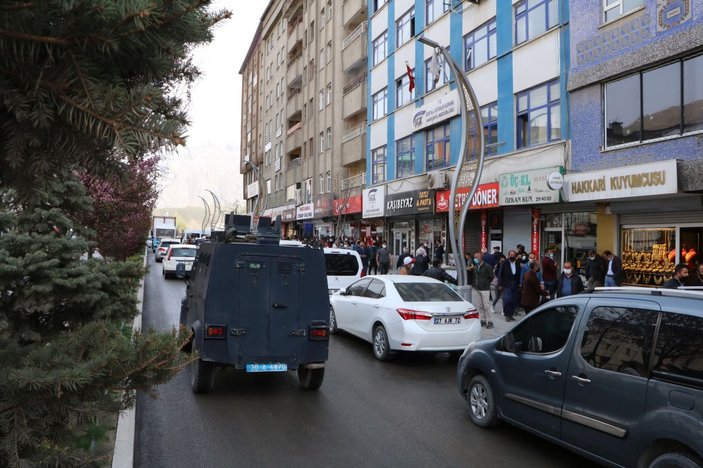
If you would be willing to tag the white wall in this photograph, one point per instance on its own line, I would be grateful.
(475, 15)
(536, 62)
(484, 80)
(379, 133)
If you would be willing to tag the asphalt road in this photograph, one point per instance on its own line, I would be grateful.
(404, 413)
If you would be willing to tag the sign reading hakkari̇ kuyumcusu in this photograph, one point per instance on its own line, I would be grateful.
(528, 187)
(656, 178)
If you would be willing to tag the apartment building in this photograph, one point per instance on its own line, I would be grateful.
(636, 87)
(516, 56)
(311, 101)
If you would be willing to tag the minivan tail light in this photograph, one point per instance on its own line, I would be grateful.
(409, 314)
(471, 314)
(216, 332)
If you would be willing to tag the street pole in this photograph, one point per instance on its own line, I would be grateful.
(258, 195)
(468, 103)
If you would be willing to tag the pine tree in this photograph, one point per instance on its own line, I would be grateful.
(88, 90)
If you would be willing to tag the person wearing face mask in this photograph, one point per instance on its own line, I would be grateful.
(483, 276)
(569, 283)
(549, 273)
(508, 280)
(383, 257)
(596, 270)
(532, 292)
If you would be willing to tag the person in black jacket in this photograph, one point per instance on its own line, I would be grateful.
(508, 280)
(402, 256)
(437, 272)
(569, 283)
(596, 270)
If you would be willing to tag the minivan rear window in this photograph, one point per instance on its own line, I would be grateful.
(426, 292)
(341, 264)
(679, 350)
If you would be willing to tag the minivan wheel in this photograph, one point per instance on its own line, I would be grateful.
(675, 460)
(333, 322)
(482, 407)
(381, 347)
(202, 376)
(310, 379)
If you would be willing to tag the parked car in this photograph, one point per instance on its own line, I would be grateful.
(408, 313)
(179, 254)
(162, 249)
(615, 375)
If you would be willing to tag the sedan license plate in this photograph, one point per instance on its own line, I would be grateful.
(453, 319)
(271, 367)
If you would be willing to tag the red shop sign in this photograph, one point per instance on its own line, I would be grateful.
(535, 232)
(484, 230)
(347, 205)
(486, 196)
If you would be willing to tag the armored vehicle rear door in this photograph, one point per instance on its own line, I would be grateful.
(268, 307)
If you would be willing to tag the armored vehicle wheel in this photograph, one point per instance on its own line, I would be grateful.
(482, 406)
(311, 379)
(381, 347)
(202, 376)
(333, 322)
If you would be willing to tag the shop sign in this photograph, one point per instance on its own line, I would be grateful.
(486, 197)
(374, 202)
(534, 241)
(306, 211)
(253, 189)
(436, 110)
(323, 206)
(484, 230)
(409, 203)
(528, 187)
(348, 205)
(288, 215)
(622, 182)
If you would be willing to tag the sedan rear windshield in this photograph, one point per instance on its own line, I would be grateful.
(426, 292)
(341, 264)
(183, 253)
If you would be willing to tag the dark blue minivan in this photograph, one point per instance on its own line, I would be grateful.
(615, 375)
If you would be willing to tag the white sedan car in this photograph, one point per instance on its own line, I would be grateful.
(179, 253)
(405, 313)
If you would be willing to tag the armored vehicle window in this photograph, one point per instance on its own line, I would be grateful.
(341, 265)
(426, 292)
(679, 350)
(547, 331)
(619, 339)
(376, 290)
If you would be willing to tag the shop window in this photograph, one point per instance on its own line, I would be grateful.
(405, 157)
(656, 103)
(613, 9)
(533, 18)
(405, 27)
(539, 115)
(480, 45)
(437, 147)
(403, 95)
(619, 339)
(678, 356)
(378, 165)
(648, 255)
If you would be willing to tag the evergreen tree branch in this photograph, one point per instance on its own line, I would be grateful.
(18, 6)
(33, 37)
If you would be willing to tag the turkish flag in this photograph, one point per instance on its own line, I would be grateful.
(411, 78)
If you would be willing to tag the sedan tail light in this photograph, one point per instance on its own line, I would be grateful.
(471, 314)
(409, 314)
(169, 255)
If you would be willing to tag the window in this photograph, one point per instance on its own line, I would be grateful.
(322, 184)
(431, 80)
(405, 27)
(329, 10)
(312, 30)
(678, 355)
(402, 91)
(356, 289)
(268, 186)
(378, 165)
(437, 147)
(322, 99)
(480, 45)
(613, 9)
(380, 48)
(380, 104)
(329, 181)
(651, 104)
(322, 141)
(538, 115)
(329, 137)
(435, 8)
(376, 290)
(278, 90)
(426, 292)
(534, 17)
(619, 339)
(405, 157)
(329, 52)
(545, 332)
(378, 4)
(311, 106)
(329, 93)
(322, 59)
(489, 116)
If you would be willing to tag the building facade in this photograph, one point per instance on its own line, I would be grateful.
(637, 114)
(516, 56)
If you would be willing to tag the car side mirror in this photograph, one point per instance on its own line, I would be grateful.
(343, 292)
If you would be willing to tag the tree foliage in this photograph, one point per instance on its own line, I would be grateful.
(89, 89)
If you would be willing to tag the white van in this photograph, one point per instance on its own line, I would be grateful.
(343, 266)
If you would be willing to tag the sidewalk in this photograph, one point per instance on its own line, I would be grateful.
(500, 326)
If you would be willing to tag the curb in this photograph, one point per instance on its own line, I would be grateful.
(123, 454)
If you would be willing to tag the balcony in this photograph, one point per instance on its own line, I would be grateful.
(294, 74)
(353, 12)
(293, 9)
(295, 40)
(353, 182)
(354, 100)
(354, 145)
(294, 107)
(294, 139)
(276, 199)
(354, 50)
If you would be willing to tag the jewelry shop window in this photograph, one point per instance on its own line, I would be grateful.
(648, 255)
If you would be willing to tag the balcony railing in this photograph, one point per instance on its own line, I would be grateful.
(350, 135)
(355, 83)
(355, 34)
(352, 182)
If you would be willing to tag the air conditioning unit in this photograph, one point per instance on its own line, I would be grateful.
(436, 180)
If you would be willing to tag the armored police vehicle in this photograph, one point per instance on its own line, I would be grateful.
(257, 306)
